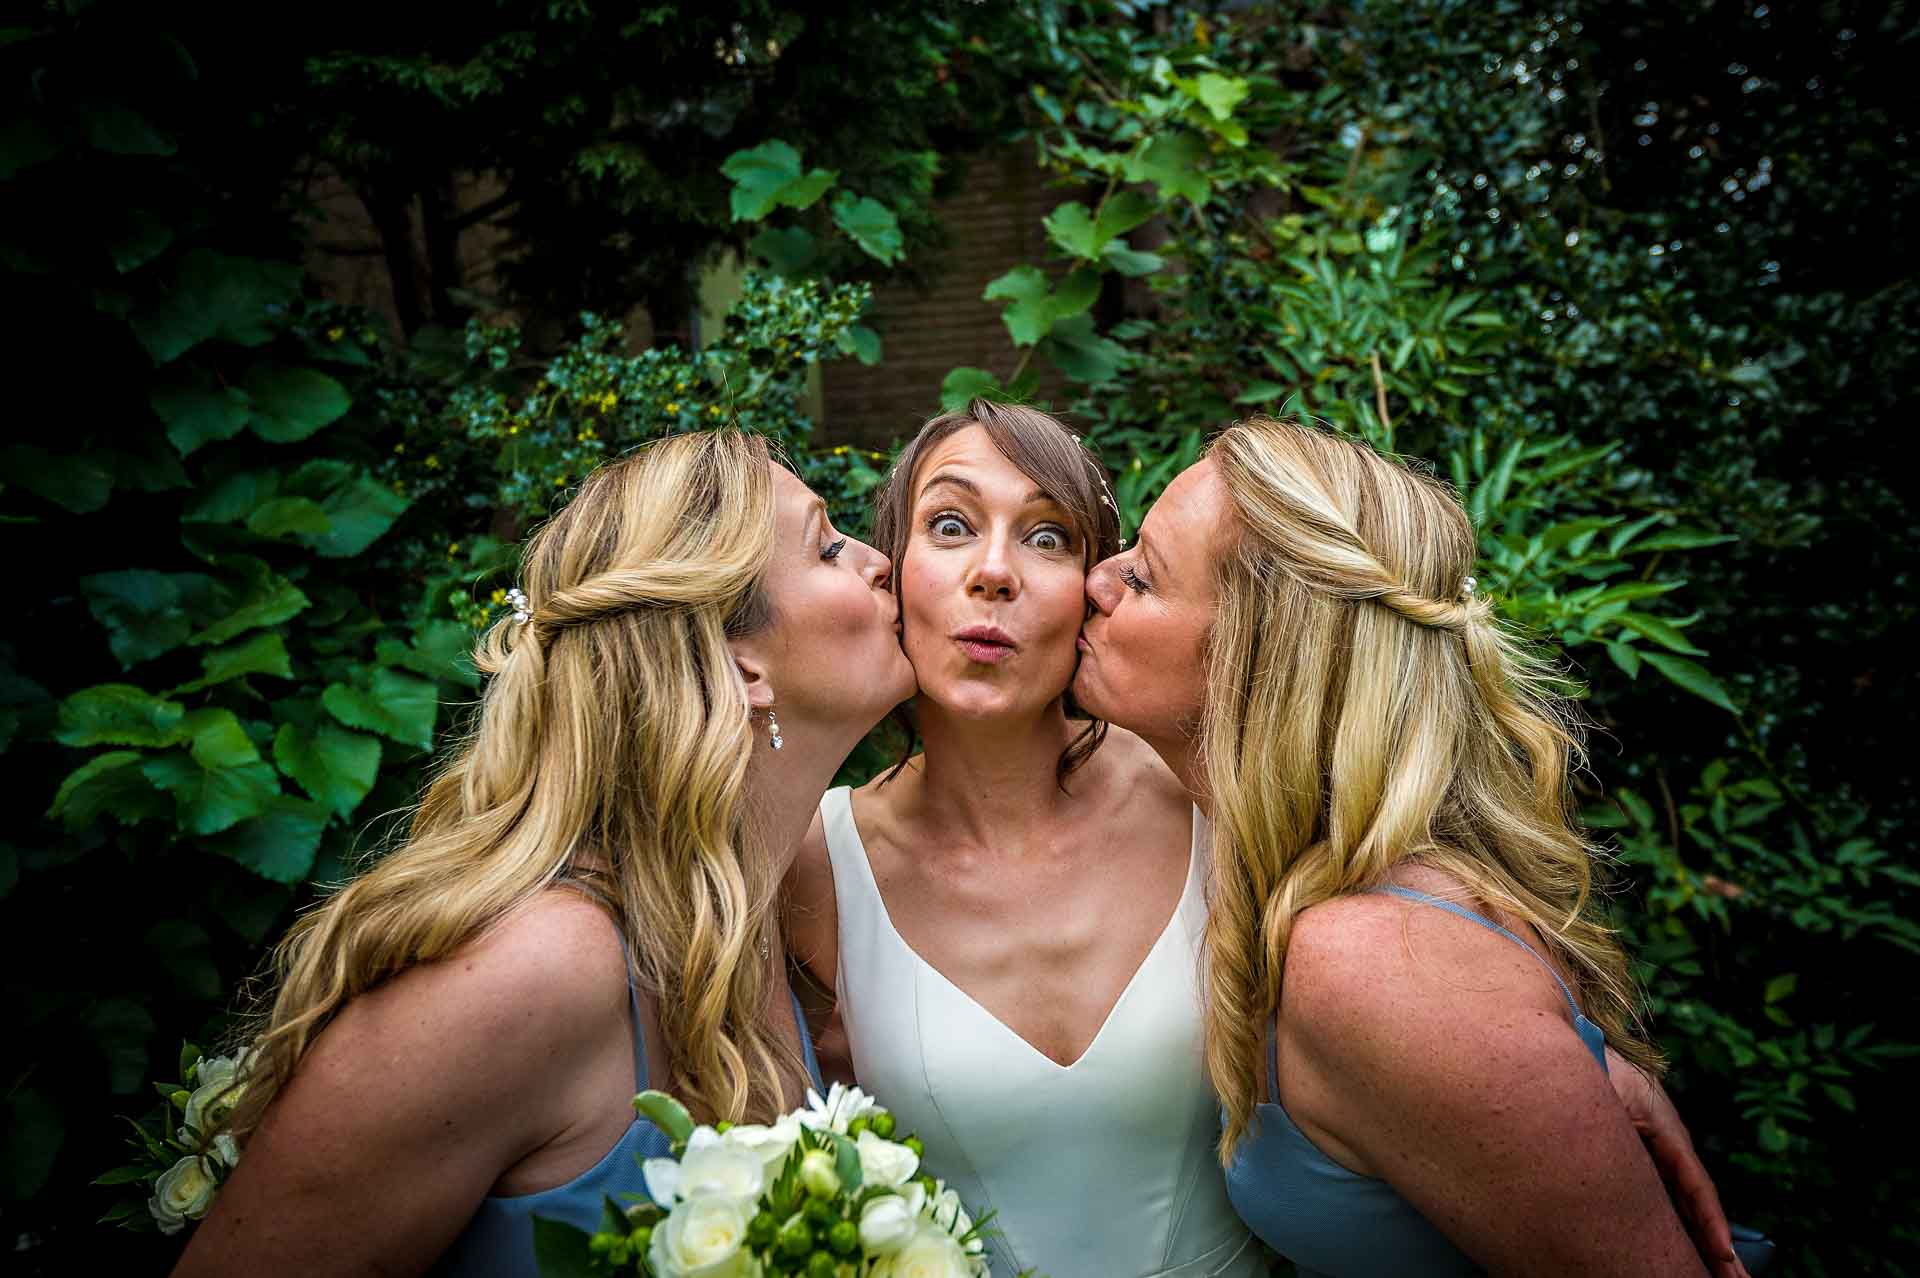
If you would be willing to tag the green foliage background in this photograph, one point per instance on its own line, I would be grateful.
(1638, 278)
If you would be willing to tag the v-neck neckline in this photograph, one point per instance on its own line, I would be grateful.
(1153, 952)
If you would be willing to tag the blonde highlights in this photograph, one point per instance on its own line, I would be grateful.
(1364, 710)
(610, 746)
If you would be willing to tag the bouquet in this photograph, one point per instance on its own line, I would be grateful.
(823, 1192)
(184, 1164)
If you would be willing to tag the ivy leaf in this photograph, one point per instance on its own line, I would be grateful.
(236, 299)
(75, 483)
(279, 843)
(803, 192)
(217, 740)
(1173, 162)
(119, 714)
(399, 707)
(759, 175)
(144, 613)
(268, 600)
(110, 784)
(965, 384)
(359, 508)
(1691, 676)
(789, 251)
(289, 515)
(335, 766)
(290, 404)
(209, 802)
(871, 224)
(1071, 227)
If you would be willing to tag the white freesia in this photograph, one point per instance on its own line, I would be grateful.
(930, 1253)
(705, 1238)
(887, 1224)
(945, 1209)
(227, 1150)
(771, 1144)
(183, 1192)
(885, 1162)
(838, 1109)
(709, 1168)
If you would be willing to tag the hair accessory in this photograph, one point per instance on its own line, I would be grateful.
(773, 726)
(1468, 586)
(518, 599)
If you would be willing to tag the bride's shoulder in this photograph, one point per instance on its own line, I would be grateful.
(1131, 763)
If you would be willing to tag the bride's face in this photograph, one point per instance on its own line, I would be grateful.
(1143, 650)
(992, 589)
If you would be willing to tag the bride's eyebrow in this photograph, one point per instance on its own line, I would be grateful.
(947, 479)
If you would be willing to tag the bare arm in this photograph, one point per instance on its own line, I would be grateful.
(1460, 1081)
(416, 1098)
(813, 950)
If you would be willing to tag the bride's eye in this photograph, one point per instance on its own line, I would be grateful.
(1050, 539)
(947, 524)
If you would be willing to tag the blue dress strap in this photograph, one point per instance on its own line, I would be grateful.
(1592, 1035)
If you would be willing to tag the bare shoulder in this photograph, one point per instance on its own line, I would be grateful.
(1387, 968)
(1134, 765)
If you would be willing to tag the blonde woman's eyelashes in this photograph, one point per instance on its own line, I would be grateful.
(833, 550)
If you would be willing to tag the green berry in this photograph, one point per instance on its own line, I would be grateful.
(641, 1238)
(795, 1241)
(844, 1237)
(821, 1265)
(854, 1128)
(916, 1145)
(761, 1230)
(819, 1213)
(883, 1125)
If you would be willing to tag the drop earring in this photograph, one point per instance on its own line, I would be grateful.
(773, 726)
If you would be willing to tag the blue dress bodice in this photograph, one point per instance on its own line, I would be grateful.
(1336, 1223)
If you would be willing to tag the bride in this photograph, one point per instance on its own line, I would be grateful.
(1011, 919)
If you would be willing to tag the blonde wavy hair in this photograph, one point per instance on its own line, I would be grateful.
(610, 746)
(1363, 710)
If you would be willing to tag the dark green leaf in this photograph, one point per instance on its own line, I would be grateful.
(142, 236)
(236, 299)
(290, 404)
(1083, 354)
(759, 175)
(144, 613)
(264, 600)
(871, 224)
(790, 250)
(279, 843)
(287, 515)
(197, 413)
(209, 802)
(802, 192)
(560, 1250)
(1131, 261)
(1174, 163)
(110, 784)
(29, 1143)
(121, 1029)
(75, 483)
(440, 650)
(666, 1113)
(1692, 677)
(119, 714)
(861, 342)
(120, 130)
(335, 766)
(264, 653)
(398, 706)
(965, 384)
(218, 740)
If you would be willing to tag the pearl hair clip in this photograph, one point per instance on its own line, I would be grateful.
(517, 598)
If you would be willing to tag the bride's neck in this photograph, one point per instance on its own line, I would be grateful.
(980, 775)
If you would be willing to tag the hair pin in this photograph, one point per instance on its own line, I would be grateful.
(517, 599)
(1468, 586)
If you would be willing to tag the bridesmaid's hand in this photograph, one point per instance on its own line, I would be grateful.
(1671, 1148)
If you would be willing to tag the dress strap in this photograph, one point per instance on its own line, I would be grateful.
(1590, 1034)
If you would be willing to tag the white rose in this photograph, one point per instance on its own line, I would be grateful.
(219, 1083)
(770, 1144)
(183, 1192)
(704, 1238)
(888, 1224)
(885, 1162)
(710, 1167)
(227, 1150)
(930, 1253)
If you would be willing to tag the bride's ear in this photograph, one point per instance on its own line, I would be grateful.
(753, 673)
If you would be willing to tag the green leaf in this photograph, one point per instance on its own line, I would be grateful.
(209, 802)
(1131, 262)
(267, 600)
(790, 250)
(871, 224)
(218, 740)
(965, 384)
(75, 483)
(439, 650)
(289, 515)
(144, 613)
(264, 653)
(119, 714)
(562, 1250)
(279, 843)
(1218, 93)
(1684, 539)
(1031, 314)
(110, 784)
(399, 707)
(122, 1176)
(861, 342)
(1071, 227)
(359, 508)
(1692, 677)
(234, 299)
(29, 1143)
(1661, 632)
(759, 175)
(1781, 987)
(1262, 393)
(139, 239)
(1626, 656)
(1174, 163)
(290, 404)
(846, 1162)
(802, 192)
(1123, 211)
(666, 1113)
(1083, 354)
(120, 130)
(335, 766)
(231, 498)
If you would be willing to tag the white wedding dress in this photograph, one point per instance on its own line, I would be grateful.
(1100, 1169)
